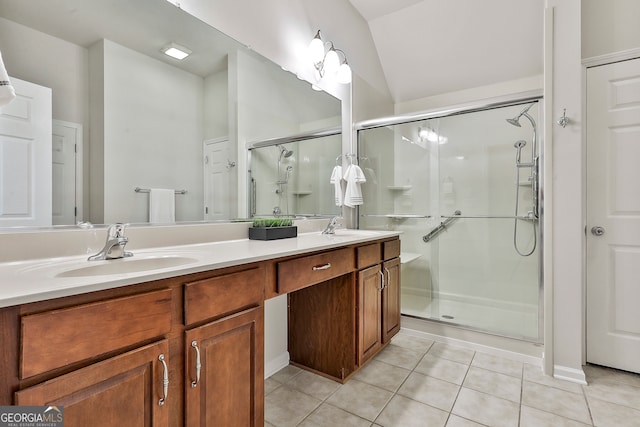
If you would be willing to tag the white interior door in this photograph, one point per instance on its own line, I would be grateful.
(67, 190)
(613, 215)
(216, 179)
(25, 157)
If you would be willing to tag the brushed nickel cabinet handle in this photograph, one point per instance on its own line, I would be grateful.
(382, 284)
(388, 277)
(194, 384)
(322, 267)
(165, 381)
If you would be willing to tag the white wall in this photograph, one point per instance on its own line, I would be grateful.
(153, 132)
(282, 29)
(216, 105)
(566, 204)
(609, 26)
(54, 63)
(48, 61)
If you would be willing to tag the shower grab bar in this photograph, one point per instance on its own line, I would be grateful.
(442, 227)
(490, 217)
(398, 216)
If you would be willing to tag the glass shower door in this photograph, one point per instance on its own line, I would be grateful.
(454, 180)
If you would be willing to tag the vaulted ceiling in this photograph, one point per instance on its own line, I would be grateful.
(430, 47)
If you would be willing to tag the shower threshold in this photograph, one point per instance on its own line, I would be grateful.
(516, 324)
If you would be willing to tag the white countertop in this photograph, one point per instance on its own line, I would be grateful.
(37, 280)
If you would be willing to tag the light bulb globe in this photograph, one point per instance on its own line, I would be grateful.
(331, 61)
(316, 50)
(344, 74)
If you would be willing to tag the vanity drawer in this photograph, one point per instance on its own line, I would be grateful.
(391, 249)
(225, 294)
(58, 338)
(368, 255)
(306, 271)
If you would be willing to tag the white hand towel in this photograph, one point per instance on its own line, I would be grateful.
(162, 208)
(353, 194)
(7, 92)
(336, 180)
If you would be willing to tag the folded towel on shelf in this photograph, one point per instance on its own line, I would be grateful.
(336, 180)
(162, 208)
(353, 194)
(7, 92)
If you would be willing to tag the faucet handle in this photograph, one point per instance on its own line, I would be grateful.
(116, 231)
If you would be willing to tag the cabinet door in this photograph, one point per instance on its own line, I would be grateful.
(391, 299)
(225, 371)
(369, 312)
(124, 390)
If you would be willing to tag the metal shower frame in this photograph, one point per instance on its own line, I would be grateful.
(498, 102)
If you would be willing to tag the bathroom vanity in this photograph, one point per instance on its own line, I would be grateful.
(185, 345)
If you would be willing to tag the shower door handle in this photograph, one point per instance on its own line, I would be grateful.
(597, 230)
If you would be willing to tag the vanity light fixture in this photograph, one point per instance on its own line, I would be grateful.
(328, 62)
(176, 51)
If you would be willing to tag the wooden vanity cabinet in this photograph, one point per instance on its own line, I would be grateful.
(337, 325)
(189, 350)
(378, 296)
(391, 299)
(124, 356)
(119, 391)
(224, 358)
(369, 313)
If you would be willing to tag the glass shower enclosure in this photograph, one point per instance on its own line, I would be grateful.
(463, 187)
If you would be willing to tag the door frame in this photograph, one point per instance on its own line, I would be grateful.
(587, 63)
(79, 165)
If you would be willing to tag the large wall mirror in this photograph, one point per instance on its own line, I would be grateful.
(141, 119)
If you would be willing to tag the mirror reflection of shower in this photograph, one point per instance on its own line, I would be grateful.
(283, 181)
(531, 215)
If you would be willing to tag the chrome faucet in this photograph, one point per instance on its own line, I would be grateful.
(331, 227)
(114, 246)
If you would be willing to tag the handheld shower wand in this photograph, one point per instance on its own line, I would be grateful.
(519, 145)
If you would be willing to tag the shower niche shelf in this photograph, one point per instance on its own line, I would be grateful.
(399, 187)
(301, 193)
(524, 183)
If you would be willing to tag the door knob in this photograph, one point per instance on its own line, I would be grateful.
(597, 231)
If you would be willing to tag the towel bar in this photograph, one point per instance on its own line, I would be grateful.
(147, 190)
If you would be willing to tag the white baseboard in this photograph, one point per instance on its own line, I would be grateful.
(569, 374)
(274, 365)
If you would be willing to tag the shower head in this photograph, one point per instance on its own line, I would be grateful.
(516, 120)
(284, 152)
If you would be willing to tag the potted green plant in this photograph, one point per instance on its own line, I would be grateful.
(272, 228)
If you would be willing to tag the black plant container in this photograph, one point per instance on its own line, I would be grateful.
(272, 233)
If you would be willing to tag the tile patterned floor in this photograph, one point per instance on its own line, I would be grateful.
(419, 382)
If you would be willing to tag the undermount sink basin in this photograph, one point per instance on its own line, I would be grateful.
(126, 265)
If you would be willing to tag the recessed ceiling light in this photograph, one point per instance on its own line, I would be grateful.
(176, 51)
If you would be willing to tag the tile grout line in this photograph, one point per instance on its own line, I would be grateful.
(521, 395)
(460, 389)
(586, 399)
(412, 370)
